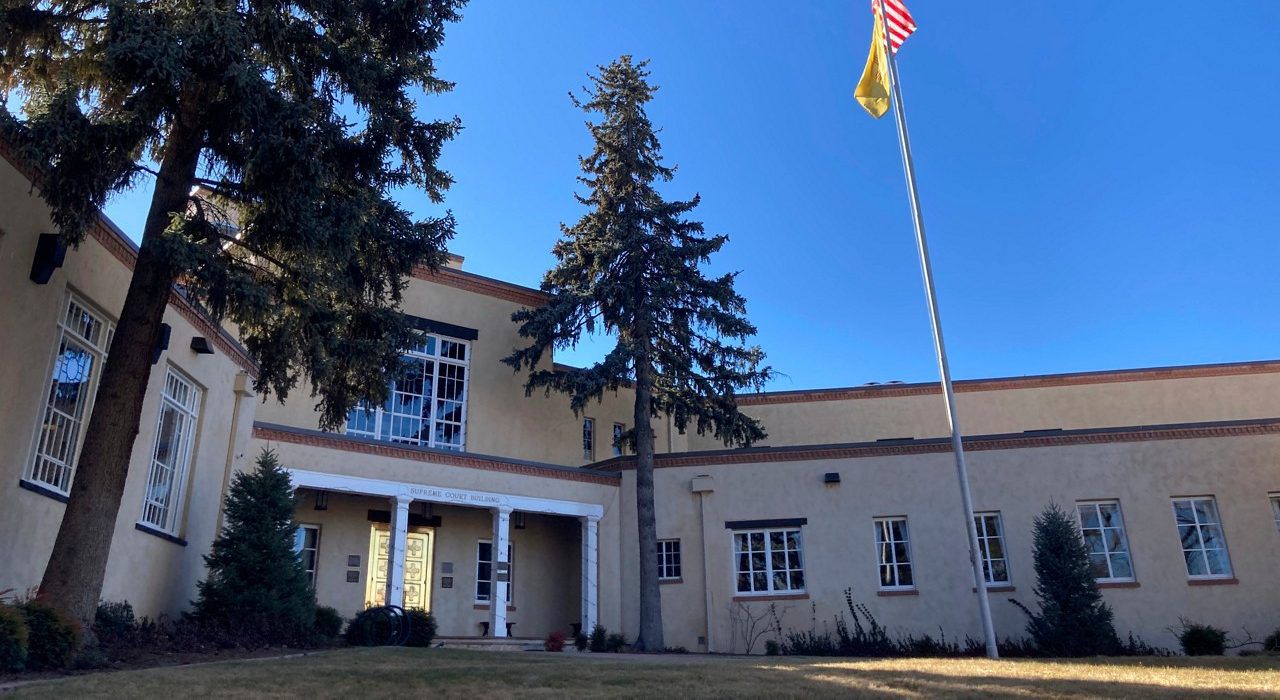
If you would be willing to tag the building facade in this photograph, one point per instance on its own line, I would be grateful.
(509, 515)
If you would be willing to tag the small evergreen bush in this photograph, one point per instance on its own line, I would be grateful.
(1272, 642)
(114, 624)
(257, 592)
(554, 641)
(615, 643)
(51, 638)
(1073, 620)
(328, 622)
(1201, 640)
(13, 639)
(599, 639)
(368, 628)
(422, 628)
(772, 647)
(580, 641)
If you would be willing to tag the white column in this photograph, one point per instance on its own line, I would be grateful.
(590, 577)
(501, 571)
(395, 550)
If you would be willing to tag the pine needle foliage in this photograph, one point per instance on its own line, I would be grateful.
(1073, 620)
(631, 269)
(257, 591)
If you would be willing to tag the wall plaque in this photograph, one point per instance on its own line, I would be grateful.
(353, 577)
(353, 560)
(446, 582)
(446, 567)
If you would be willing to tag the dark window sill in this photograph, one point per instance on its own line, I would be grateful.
(665, 581)
(159, 533)
(891, 594)
(1213, 581)
(45, 491)
(1002, 588)
(485, 606)
(1119, 584)
(746, 597)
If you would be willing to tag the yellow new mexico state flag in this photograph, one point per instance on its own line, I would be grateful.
(873, 90)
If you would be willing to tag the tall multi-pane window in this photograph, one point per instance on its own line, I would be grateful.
(893, 549)
(1204, 546)
(995, 564)
(171, 455)
(83, 338)
(427, 400)
(306, 544)
(1102, 526)
(769, 561)
(668, 559)
(618, 430)
(588, 439)
(1275, 509)
(484, 571)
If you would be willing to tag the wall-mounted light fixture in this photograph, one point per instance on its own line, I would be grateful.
(831, 478)
(517, 519)
(51, 252)
(200, 345)
(162, 342)
(322, 500)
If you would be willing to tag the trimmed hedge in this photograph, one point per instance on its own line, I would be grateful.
(13, 639)
(51, 638)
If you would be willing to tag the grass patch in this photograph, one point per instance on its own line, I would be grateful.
(471, 674)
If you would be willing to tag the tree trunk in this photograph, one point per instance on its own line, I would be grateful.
(650, 638)
(73, 578)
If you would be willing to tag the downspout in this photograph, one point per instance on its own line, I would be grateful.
(703, 485)
(241, 389)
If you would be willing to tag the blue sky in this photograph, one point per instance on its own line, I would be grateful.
(1099, 179)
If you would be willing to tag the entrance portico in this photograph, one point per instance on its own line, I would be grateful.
(503, 508)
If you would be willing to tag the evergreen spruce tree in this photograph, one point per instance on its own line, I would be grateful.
(631, 268)
(1073, 620)
(257, 587)
(275, 132)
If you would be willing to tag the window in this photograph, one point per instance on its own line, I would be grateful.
(768, 561)
(1204, 547)
(995, 564)
(484, 572)
(83, 339)
(668, 559)
(1102, 527)
(893, 547)
(171, 456)
(306, 544)
(427, 401)
(1275, 508)
(588, 439)
(618, 430)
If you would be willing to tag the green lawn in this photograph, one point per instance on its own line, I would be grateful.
(362, 674)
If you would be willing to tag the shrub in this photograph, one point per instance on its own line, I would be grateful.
(1272, 642)
(1201, 640)
(370, 627)
(772, 647)
(257, 591)
(114, 624)
(554, 641)
(615, 643)
(422, 628)
(51, 638)
(1073, 620)
(328, 622)
(13, 639)
(580, 641)
(599, 639)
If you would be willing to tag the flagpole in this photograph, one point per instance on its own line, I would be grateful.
(948, 395)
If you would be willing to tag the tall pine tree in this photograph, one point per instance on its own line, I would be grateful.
(297, 118)
(631, 267)
(257, 589)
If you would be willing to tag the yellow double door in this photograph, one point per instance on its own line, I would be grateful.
(417, 567)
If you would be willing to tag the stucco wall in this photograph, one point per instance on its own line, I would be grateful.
(154, 574)
(839, 538)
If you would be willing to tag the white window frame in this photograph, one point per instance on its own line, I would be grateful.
(669, 565)
(1199, 529)
(300, 546)
(884, 545)
(1275, 508)
(430, 349)
(180, 395)
(985, 538)
(44, 467)
(618, 430)
(769, 570)
(488, 598)
(1123, 529)
(589, 439)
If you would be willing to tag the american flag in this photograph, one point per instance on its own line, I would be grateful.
(900, 23)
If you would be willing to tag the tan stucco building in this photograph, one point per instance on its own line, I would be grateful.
(462, 492)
